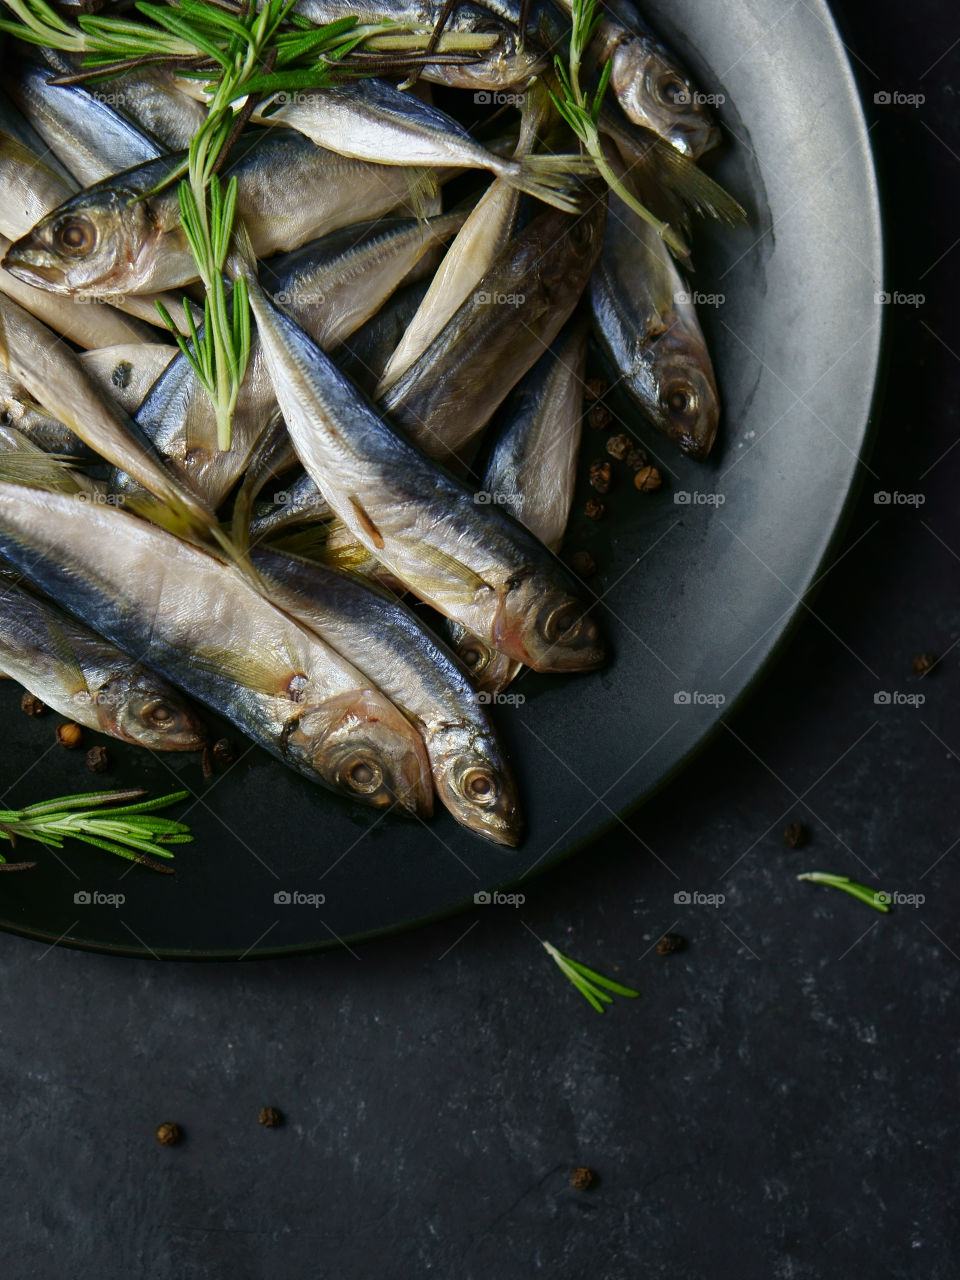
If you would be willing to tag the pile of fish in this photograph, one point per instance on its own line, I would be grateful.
(423, 295)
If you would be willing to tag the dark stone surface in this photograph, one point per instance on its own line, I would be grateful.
(780, 1101)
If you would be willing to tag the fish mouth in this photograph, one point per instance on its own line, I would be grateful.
(29, 260)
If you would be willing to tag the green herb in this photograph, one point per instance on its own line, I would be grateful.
(128, 830)
(588, 982)
(581, 111)
(872, 897)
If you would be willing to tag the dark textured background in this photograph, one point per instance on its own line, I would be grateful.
(778, 1104)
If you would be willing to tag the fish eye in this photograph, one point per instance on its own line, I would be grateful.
(476, 657)
(480, 786)
(563, 623)
(75, 236)
(158, 715)
(679, 398)
(672, 90)
(363, 775)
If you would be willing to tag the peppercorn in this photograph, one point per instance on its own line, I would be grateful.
(595, 388)
(599, 417)
(648, 479)
(796, 835)
(594, 509)
(636, 458)
(223, 751)
(619, 446)
(168, 1134)
(671, 942)
(270, 1117)
(32, 705)
(583, 564)
(924, 663)
(600, 476)
(582, 1178)
(69, 735)
(98, 759)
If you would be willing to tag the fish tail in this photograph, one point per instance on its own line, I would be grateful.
(553, 179)
(694, 188)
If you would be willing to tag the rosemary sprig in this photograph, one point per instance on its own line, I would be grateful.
(872, 897)
(581, 111)
(588, 982)
(127, 830)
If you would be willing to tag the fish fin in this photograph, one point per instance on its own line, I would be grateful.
(470, 581)
(552, 179)
(241, 263)
(661, 172)
(34, 469)
(254, 667)
(62, 647)
(366, 522)
(422, 192)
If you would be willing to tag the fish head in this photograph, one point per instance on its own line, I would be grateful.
(475, 783)
(543, 622)
(687, 405)
(489, 668)
(361, 746)
(142, 708)
(656, 94)
(90, 242)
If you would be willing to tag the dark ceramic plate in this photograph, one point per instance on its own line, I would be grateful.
(698, 581)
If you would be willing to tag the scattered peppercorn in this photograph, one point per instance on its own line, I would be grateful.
(594, 388)
(599, 417)
(924, 663)
(223, 751)
(600, 475)
(582, 1178)
(796, 835)
(98, 759)
(619, 446)
(583, 564)
(594, 509)
(69, 735)
(636, 458)
(32, 705)
(648, 479)
(168, 1134)
(270, 1117)
(671, 942)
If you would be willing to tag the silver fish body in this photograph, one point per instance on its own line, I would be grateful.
(89, 680)
(648, 329)
(471, 562)
(451, 391)
(203, 625)
(419, 675)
